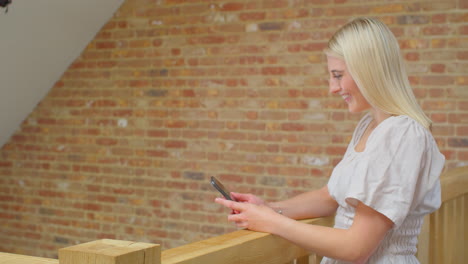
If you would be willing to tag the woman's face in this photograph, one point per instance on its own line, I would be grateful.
(342, 83)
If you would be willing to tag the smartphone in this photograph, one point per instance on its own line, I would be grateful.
(220, 187)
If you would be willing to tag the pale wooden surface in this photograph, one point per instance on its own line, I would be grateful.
(243, 246)
(454, 183)
(107, 251)
(424, 241)
(449, 236)
(7, 258)
(303, 260)
(444, 234)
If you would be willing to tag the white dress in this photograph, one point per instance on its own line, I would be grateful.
(397, 175)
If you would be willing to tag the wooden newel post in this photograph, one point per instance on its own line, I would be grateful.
(107, 251)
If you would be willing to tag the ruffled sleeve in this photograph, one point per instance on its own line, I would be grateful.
(398, 171)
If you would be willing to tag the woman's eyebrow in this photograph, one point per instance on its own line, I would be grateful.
(336, 71)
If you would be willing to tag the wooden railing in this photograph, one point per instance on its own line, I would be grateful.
(443, 239)
(444, 235)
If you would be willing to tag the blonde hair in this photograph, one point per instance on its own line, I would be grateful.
(372, 56)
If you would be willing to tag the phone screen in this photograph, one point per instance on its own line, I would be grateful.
(220, 187)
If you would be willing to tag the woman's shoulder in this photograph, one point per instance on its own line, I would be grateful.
(405, 124)
(396, 130)
(398, 124)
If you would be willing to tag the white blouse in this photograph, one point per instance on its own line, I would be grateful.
(397, 175)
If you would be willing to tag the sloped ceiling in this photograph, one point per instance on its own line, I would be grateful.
(39, 39)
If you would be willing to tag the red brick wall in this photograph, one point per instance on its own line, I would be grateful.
(171, 92)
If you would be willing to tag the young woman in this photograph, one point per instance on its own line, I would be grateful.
(388, 178)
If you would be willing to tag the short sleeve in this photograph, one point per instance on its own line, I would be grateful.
(396, 172)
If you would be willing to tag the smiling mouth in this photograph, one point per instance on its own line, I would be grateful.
(346, 97)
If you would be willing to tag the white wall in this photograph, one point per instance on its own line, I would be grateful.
(39, 39)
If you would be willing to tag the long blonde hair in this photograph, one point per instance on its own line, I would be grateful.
(372, 56)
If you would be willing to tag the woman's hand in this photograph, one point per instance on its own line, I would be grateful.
(247, 198)
(251, 216)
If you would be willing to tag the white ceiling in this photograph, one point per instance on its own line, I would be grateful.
(38, 41)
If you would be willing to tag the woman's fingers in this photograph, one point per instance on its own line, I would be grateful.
(235, 206)
(243, 197)
(239, 215)
(247, 197)
(239, 196)
(235, 218)
(238, 220)
(241, 224)
(235, 212)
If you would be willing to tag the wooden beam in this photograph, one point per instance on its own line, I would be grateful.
(8, 258)
(109, 251)
(243, 246)
(454, 183)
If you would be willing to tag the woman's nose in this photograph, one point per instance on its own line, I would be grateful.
(334, 87)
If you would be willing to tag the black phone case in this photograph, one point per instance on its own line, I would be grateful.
(220, 187)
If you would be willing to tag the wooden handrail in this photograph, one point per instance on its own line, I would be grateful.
(454, 183)
(8, 258)
(444, 235)
(243, 246)
(443, 239)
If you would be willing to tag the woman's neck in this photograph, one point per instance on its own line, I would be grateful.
(379, 115)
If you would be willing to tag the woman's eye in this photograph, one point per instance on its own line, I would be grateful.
(337, 77)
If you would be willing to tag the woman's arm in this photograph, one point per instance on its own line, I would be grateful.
(355, 244)
(317, 203)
